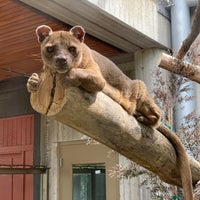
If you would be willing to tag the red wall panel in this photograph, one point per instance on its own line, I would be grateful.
(16, 150)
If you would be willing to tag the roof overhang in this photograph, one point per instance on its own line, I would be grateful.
(97, 22)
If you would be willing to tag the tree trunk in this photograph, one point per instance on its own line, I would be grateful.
(98, 116)
(180, 67)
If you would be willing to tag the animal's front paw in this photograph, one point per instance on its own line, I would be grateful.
(33, 83)
(71, 78)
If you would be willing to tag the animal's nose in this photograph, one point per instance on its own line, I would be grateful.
(61, 61)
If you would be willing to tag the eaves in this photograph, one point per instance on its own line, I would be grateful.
(96, 22)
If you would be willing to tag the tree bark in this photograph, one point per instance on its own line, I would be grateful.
(98, 116)
(180, 67)
(197, 191)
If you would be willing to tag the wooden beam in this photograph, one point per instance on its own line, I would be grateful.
(180, 67)
(99, 117)
(34, 170)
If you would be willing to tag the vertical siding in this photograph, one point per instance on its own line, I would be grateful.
(16, 131)
(16, 148)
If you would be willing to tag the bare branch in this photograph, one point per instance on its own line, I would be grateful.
(195, 29)
(180, 67)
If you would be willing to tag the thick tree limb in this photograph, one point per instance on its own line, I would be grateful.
(195, 29)
(99, 117)
(180, 67)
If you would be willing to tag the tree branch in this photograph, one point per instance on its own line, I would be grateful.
(180, 67)
(195, 29)
(98, 116)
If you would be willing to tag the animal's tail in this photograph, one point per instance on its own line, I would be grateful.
(183, 162)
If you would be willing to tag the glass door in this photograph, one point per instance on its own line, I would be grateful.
(89, 182)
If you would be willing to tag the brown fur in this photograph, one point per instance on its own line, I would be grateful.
(65, 53)
(182, 160)
(131, 94)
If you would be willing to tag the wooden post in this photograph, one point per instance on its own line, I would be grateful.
(98, 116)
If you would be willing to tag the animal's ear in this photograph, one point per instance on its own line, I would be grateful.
(78, 32)
(42, 32)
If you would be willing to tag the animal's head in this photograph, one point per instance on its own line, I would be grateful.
(61, 50)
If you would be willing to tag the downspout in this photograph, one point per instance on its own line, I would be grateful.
(180, 28)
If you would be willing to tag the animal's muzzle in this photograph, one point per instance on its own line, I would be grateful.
(61, 62)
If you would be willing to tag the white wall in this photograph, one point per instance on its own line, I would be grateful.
(146, 63)
(141, 15)
(130, 189)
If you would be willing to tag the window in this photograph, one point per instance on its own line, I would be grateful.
(89, 182)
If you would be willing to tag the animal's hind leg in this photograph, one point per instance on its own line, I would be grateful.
(150, 113)
(151, 120)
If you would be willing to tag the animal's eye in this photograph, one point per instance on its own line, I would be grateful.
(72, 49)
(50, 49)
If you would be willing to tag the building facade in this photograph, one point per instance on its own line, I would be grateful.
(131, 33)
